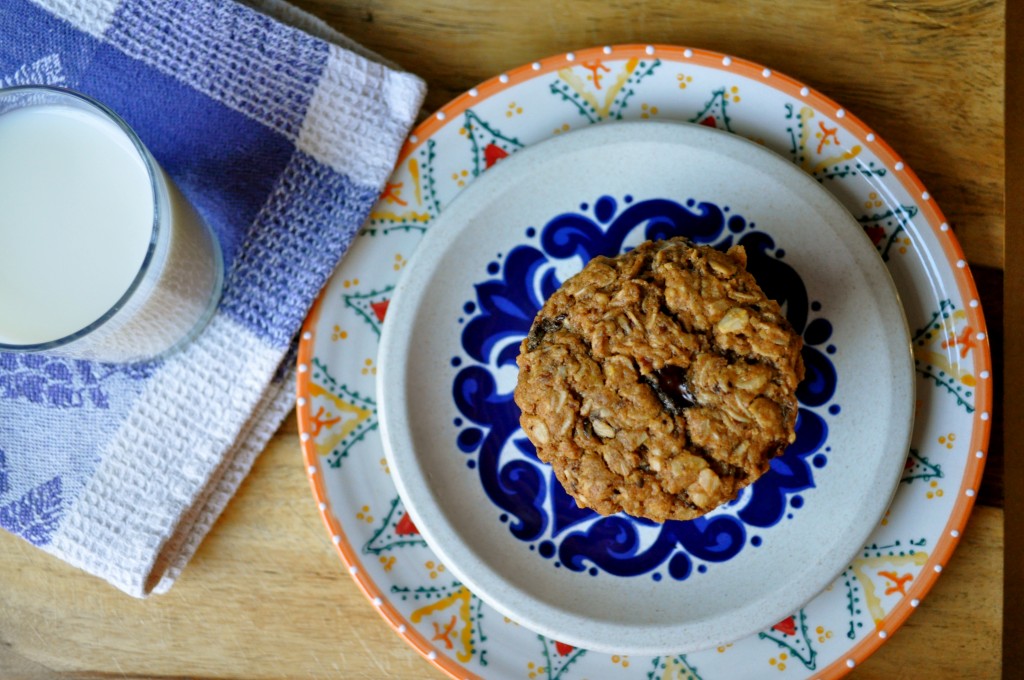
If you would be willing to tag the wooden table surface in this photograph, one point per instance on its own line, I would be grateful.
(266, 596)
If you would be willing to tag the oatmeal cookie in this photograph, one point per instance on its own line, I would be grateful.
(660, 382)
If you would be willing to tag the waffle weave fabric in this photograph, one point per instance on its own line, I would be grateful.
(282, 133)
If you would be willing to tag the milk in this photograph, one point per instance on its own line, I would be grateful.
(91, 243)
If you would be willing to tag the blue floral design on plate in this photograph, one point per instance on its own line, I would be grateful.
(531, 501)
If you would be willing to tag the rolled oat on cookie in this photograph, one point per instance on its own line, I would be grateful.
(660, 382)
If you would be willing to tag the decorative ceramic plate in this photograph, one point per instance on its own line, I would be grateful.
(337, 400)
(464, 468)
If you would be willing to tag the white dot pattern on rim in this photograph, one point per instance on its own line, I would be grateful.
(400, 331)
(766, 79)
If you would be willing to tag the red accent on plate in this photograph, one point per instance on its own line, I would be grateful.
(380, 309)
(492, 154)
(786, 626)
(876, 234)
(709, 122)
(562, 648)
(405, 527)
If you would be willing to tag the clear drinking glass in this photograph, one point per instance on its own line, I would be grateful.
(101, 257)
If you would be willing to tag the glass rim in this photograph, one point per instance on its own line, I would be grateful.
(155, 233)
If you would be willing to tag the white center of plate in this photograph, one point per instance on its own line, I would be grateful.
(839, 266)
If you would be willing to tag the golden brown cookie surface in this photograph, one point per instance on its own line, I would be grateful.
(660, 382)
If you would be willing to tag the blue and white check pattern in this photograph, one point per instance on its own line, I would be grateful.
(282, 139)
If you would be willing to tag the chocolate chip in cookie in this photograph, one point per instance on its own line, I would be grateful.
(660, 382)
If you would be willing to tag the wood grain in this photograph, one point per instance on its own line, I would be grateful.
(266, 596)
(927, 75)
(1013, 406)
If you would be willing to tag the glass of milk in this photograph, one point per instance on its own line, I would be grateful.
(100, 255)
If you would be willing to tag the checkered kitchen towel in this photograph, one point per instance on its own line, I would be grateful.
(282, 133)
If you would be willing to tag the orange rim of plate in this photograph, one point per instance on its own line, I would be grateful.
(951, 249)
